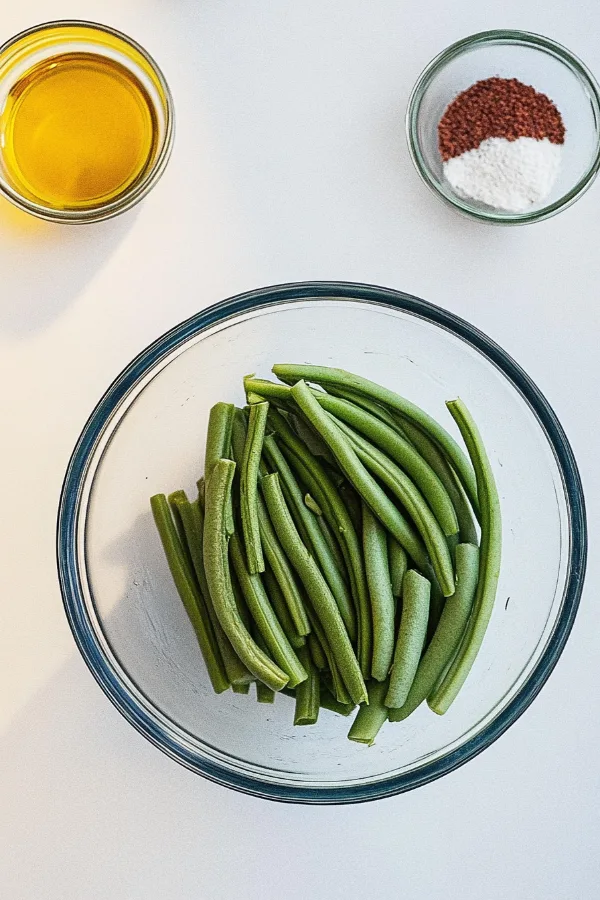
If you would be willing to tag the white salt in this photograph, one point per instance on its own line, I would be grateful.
(508, 175)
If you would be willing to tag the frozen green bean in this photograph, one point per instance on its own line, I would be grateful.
(316, 538)
(249, 486)
(312, 473)
(328, 701)
(316, 651)
(216, 566)
(281, 609)
(264, 694)
(364, 483)
(380, 592)
(218, 436)
(312, 504)
(370, 718)
(388, 439)
(448, 634)
(273, 551)
(280, 649)
(398, 562)
(435, 458)
(334, 547)
(413, 502)
(411, 637)
(316, 587)
(192, 520)
(218, 443)
(489, 562)
(189, 592)
(307, 693)
(327, 376)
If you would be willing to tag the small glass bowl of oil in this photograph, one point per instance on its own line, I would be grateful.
(86, 121)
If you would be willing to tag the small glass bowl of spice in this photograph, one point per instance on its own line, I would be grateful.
(503, 126)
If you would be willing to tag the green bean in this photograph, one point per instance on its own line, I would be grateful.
(282, 571)
(249, 486)
(387, 438)
(435, 458)
(216, 566)
(352, 502)
(369, 719)
(281, 609)
(371, 406)
(242, 688)
(437, 602)
(380, 591)
(328, 701)
(451, 627)
(313, 440)
(272, 549)
(312, 504)
(316, 538)
(241, 604)
(364, 483)
(398, 563)
(334, 547)
(218, 441)
(329, 376)
(316, 651)
(313, 475)
(489, 562)
(402, 453)
(341, 692)
(218, 436)
(192, 521)
(201, 485)
(337, 682)
(307, 693)
(264, 694)
(280, 649)
(412, 500)
(317, 588)
(189, 592)
(174, 499)
(411, 637)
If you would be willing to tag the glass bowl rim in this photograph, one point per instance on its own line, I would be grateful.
(131, 196)
(68, 560)
(482, 39)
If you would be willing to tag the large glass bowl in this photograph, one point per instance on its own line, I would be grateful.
(147, 435)
(535, 60)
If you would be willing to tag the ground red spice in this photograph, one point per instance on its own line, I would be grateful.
(497, 107)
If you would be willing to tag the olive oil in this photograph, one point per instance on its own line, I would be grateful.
(77, 131)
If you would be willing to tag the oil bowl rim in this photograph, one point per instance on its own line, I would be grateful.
(139, 190)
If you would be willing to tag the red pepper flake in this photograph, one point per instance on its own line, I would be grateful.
(501, 108)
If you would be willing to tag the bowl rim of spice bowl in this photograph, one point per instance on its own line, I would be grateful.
(480, 40)
(17, 53)
(74, 562)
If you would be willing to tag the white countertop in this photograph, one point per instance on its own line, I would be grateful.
(289, 164)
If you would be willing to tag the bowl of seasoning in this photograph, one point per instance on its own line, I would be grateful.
(503, 126)
(86, 121)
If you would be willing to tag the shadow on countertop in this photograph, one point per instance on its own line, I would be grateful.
(45, 265)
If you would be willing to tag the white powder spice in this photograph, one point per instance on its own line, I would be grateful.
(507, 175)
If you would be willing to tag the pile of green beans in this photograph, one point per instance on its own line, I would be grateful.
(343, 549)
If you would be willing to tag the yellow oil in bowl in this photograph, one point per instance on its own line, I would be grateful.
(85, 125)
(77, 130)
